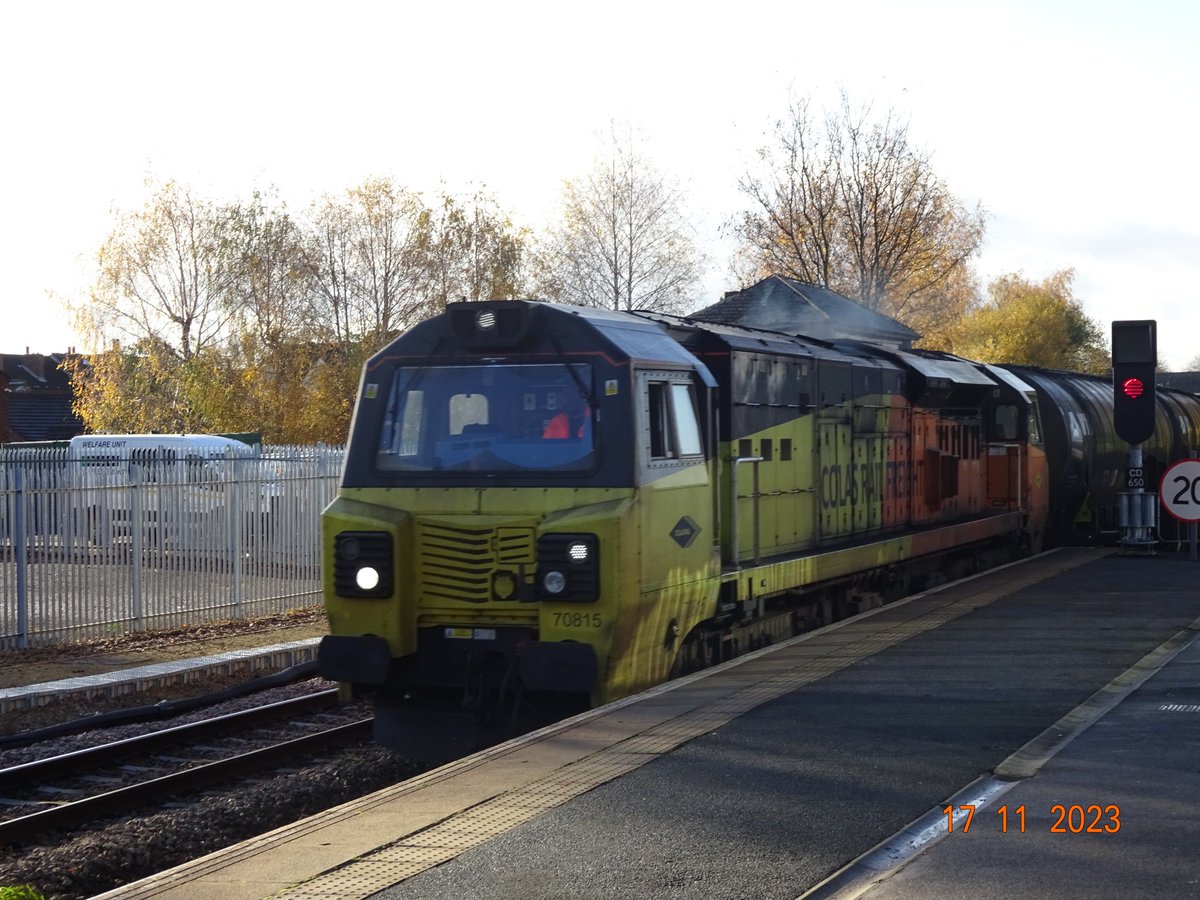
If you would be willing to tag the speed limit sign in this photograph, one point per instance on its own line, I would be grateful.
(1180, 490)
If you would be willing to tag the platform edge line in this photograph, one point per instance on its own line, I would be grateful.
(891, 855)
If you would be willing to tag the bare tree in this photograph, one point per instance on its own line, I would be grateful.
(624, 241)
(853, 207)
(271, 282)
(331, 263)
(472, 251)
(366, 258)
(163, 277)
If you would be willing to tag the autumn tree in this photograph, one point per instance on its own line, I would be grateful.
(624, 241)
(331, 256)
(161, 299)
(270, 276)
(162, 277)
(241, 317)
(851, 205)
(471, 251)
(1034, 323)
(145, 387)
(366, 258)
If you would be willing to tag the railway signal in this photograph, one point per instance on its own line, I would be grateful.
(1134, 357)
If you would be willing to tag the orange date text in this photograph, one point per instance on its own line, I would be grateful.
(1074, 818)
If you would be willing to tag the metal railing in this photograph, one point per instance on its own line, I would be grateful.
(93, 551)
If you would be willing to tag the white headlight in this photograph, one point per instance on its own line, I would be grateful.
(554, 582)
(578, 552)
(367, 578)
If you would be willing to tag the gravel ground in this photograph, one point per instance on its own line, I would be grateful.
(86, 864)
(134, 848)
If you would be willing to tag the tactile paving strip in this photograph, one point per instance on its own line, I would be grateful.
(447, 839)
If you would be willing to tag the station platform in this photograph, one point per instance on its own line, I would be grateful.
(248, 663)
(821, 767)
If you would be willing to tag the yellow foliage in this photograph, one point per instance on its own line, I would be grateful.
(1035, 324)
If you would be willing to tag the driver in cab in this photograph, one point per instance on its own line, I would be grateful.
(572, 419)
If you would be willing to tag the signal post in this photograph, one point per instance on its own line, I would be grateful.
(1135, 358)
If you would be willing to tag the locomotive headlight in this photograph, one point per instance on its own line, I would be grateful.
(568, 567)
(363, 564)
(367, 578)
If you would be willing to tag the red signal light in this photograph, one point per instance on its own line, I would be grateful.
(1133, 388)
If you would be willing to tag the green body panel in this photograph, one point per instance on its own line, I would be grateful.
(787, 499)
(387, 617)
(823, 479)
(642, 591)
(678, 558)
(776, 578)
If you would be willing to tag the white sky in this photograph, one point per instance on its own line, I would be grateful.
(1073, 123)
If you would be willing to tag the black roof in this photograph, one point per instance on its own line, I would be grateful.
(39, 397)
(42, 416)
(789, 306)
(35, 371)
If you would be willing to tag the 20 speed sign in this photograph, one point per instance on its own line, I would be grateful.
(1180, 490)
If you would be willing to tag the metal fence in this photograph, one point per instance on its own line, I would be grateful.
(88, 552)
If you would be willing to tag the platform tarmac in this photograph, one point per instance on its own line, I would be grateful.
(1114, 814)
(821, 768)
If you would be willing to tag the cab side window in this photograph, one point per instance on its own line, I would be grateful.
(1035, 429)
(673, 421)
(1004, 423)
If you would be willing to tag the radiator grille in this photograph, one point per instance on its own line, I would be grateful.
(458, 563)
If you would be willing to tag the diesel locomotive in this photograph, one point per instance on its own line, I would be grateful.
(546, 502)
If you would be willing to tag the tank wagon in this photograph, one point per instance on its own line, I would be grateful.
(1088, 463)
(543, 501)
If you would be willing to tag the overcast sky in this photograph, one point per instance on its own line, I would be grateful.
(1073, 123)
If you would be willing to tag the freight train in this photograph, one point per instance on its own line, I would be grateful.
(549, 502)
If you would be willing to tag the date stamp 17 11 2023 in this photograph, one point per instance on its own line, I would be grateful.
(1075, 818)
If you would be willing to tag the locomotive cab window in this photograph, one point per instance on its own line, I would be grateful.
(494, 418)
(1004, 422)
(1035, 429)
(673, 424)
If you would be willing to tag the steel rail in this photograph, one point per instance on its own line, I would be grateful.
(91, 757)
(155, 791)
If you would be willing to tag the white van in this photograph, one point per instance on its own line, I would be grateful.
(98, 452)
(179, 486)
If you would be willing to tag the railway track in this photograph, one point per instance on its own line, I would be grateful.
(74, 789)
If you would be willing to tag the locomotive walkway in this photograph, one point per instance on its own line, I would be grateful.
(1061, 694)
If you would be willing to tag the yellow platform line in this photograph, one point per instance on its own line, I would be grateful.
(446, 839)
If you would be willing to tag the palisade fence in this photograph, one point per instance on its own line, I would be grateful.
(88, 552)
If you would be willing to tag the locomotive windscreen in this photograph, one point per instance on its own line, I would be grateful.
(489, 418)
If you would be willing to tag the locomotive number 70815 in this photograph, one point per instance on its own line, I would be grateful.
(578, 620)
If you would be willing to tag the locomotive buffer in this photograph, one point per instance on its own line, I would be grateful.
(1135, 357)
